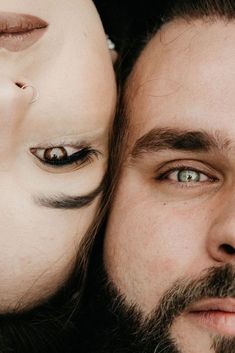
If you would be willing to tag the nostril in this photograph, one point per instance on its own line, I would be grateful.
(228, 249)
(24, 86)
(19, 84)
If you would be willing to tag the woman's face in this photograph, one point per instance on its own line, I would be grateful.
(53, 152)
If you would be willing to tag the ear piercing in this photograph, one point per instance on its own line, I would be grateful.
(110, 43)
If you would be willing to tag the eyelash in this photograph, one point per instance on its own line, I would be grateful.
(82, 156)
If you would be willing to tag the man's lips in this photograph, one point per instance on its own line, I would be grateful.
(20, 31)
(215, 314)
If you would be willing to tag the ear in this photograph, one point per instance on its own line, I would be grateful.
(112, 51)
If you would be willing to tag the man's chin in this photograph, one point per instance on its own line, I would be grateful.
(192, 337)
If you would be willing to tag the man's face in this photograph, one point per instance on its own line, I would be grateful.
(53, 153)
(173, 216)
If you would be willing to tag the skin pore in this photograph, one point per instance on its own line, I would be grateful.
(170, 240)
(53, 151)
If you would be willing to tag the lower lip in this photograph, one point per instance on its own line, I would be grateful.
(220, 322)
(21, 40)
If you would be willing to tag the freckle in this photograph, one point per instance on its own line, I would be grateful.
(164, 203)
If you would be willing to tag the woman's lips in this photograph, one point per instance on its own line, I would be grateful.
(217, 315)
(20, 31)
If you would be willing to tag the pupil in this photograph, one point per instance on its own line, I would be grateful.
(55, 154)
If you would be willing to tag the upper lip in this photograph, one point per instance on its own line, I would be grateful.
(18, 23)
(214, 304)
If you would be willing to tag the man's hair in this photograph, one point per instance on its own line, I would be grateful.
(199, 8)
(158, 16)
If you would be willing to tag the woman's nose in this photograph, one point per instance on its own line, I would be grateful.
(15, 99)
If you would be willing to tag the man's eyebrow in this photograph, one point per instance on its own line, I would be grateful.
(159, 139)
(65, 202)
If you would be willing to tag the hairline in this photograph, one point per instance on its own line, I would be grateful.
(130, 88)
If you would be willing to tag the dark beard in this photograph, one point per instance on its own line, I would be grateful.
(111, 325)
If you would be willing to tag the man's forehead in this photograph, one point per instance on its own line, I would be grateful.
(180, 48)
(184, 38)
(184, 76)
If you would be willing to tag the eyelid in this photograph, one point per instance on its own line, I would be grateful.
(62, 143)
(72, 138)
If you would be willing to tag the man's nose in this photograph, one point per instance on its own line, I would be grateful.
(221, 239)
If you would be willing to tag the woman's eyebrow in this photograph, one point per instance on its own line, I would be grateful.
(66, 202)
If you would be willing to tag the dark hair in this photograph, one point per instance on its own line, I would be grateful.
(199, 8)
(151, 15)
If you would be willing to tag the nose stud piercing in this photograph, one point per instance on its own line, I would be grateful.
(35, 93)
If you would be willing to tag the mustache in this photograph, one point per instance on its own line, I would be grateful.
(215, 282)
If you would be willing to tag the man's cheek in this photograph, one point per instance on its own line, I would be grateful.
(152, 247)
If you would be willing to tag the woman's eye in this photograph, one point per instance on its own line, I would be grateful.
(187, 176)
(60, 156)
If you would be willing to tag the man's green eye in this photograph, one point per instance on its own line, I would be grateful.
(184, 175)
(187, 176)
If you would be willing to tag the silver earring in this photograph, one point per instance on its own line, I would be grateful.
(110, 43)
(35, 93)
